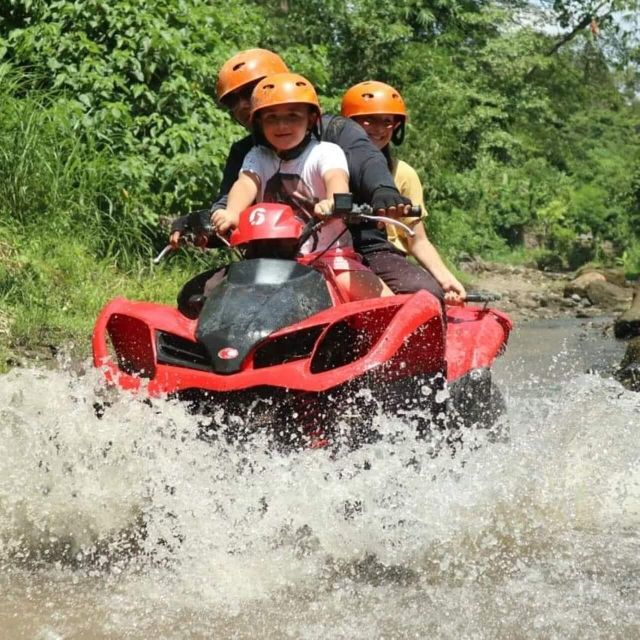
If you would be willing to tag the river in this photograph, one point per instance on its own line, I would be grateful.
(129, 527)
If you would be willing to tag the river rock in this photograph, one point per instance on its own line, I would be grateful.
(578, 286)
(608, 295)
(629, 372)
(611, 274)
(587, 313)
(550, 299)
(628, 324)
(568, 303)
(526, 300)
(472, 264)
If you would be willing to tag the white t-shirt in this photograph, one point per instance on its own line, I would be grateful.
(279, 179)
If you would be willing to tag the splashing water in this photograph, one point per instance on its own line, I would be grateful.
(129, 526)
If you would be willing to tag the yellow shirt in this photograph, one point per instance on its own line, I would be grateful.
(408, 185)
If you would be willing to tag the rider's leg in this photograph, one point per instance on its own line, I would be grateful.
(401, 275)
(360, 285)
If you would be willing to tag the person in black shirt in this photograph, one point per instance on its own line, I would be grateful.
(369, 178)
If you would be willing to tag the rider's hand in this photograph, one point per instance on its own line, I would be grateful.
(323, 208)
(189, 227)
(192, 228)
(178, 227)
(453, 289)
(386, 201)
(174, 239)
(222, 220)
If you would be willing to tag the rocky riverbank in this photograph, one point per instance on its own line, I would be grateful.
(528, 294)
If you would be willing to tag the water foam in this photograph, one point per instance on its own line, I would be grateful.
(384, 539)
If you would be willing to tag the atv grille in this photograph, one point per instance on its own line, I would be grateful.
(180, 352)
(351, 339)
(291, 346)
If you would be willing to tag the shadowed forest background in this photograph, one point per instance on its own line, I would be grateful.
(524, 125)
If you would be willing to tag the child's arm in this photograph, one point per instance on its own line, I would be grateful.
(242, 194)
(335, 181)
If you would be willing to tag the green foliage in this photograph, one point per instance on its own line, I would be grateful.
(537, 144)
(57, 182)
(141, 79)
(58, 289)
(520, 140)
(630, 261)
(108, 120)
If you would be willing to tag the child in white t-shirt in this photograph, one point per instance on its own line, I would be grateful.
(289, 165)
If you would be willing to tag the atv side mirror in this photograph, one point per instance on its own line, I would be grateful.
(343, 203)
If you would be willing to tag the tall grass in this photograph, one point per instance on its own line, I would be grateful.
(630, 261)
(72, 235)
(54, 179)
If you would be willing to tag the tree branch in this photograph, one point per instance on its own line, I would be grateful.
(583, 24)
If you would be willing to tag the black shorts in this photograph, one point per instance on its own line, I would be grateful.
(400, 275)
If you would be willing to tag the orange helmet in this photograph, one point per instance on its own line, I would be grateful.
(246, 67)
(372, 98)
(283, 88)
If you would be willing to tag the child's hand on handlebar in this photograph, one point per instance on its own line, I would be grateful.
(222, 220)
(323, 208)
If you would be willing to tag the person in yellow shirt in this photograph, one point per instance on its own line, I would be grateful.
(381, 112)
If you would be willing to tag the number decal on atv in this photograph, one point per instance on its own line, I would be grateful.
(257, 217)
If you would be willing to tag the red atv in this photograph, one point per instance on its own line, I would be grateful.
(280, 345)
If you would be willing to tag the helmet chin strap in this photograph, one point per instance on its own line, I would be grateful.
(287, 154)
(398, 134)
(294, 152)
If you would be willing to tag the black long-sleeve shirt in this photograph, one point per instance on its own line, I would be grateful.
(368, 171)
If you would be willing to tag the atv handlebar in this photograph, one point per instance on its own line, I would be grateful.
(367, 209)
(355, 217)
(163, 254)
(185, 238)
(194, 224)
(344, 208)
(354, 213)
(482, 296)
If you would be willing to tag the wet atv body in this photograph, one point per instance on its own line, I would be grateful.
(278, 345)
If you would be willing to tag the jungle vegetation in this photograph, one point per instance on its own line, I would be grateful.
(524, 127)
